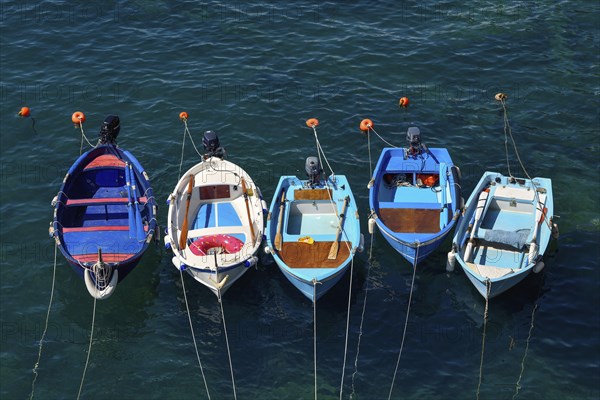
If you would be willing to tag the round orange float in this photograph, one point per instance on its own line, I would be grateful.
(404, 102)
(312, 122)
(183, 115)
(78, 118)
(365, 124)
(25, 112)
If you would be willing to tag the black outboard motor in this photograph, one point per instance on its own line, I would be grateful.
(313, 170)
(212, 147)
(110, 130)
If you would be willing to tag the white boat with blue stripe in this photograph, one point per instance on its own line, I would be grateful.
(215, 220)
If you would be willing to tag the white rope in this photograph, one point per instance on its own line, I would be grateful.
(362, 317)
(370, 160)
(315, 332)
(37, 363)
(86, 139)
(87, 360)
(320, 151)
(412, 285)
(518, 384)
(485, 318)
(347, 327)
(191, 139)
(382, 139)
(227, 341)
(187, 308)
(182, 148)
(508, 133)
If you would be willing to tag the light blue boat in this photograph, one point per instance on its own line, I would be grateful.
(415, 197)
(504, 232)
(313, 230)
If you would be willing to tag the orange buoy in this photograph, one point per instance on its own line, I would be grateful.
(365, 124)
(78, 118)
(183, 115)
(312, 122)
(500, 97)
(404, 102)
(25, 112)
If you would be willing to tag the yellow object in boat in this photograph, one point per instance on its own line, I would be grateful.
(306, 239)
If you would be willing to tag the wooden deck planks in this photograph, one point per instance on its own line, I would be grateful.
(411, 220)
(312, 194)
(303, 255)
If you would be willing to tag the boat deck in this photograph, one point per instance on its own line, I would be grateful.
(303, 255)
(411, 220)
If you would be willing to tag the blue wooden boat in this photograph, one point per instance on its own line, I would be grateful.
(104, 214)
(505, 230)
(415, 197)
(215, 220)
(313, 229)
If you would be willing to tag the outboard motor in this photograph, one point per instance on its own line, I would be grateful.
(313, 170)
(212, 147)
(110, 130)
(413, 135)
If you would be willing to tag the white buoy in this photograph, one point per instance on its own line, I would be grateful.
(371, 225)
(267, 249)
(533, 252)
(555, 232)
(450, 263)
(539, 267)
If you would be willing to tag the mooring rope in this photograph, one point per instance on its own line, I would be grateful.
(86, 139)
(382, 139)
(508, 133)
(485, 318)
(320, 151)
(226, 340)
(37, 363)
(314, 281)
(533, 311)
(186, 131)
(187, 308)
(412, 285)
(347, 327)
(87, 360)
(362, 317)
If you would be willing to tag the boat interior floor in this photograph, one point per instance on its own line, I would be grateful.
(411, 220)
(304, 255)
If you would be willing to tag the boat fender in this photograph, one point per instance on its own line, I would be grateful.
(54, 201)
(451, 262)
(533, 252)
(267, 249)
(371, 225)
(167, 242)
(265, 209)
(361, 244)
(555, 233)
(104, 293)
(538, 267)
(51, 229)
(370, 184)
(252, 261)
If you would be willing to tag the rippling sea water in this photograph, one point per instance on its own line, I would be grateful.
(254, 72)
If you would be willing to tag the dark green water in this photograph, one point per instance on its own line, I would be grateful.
(254, 72)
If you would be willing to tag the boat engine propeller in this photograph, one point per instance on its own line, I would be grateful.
(313, 170)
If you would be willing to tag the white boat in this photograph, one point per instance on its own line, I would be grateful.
(215, 221)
